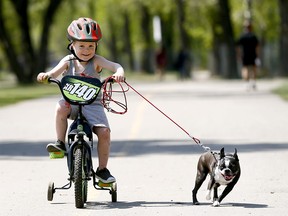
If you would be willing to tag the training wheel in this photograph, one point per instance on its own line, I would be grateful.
(113, 192)
(50, 191)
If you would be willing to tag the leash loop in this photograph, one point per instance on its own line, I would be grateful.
(110, 104)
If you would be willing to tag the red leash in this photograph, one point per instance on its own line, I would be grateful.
(196, 140)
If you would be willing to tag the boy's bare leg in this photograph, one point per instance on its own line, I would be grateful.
(103, 145)
(62, 111)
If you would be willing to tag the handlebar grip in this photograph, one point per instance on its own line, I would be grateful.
(46, 81)
(52, 80)
(108, 80)
(111, 80)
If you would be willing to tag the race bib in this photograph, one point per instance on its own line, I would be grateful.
(80, 90)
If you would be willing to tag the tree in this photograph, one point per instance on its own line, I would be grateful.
(27, 61)
(224, 48)
(127, 39)
(184, 59)
(283, 5)
(148, 51)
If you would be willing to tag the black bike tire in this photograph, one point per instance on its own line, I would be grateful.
(113, 192)
(50, 191)
(80, 181)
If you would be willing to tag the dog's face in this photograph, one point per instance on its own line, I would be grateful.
(228, 166)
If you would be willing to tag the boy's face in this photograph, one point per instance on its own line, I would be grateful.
(84, 50)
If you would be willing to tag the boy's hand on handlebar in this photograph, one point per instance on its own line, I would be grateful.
(119, 77)
(43, 77)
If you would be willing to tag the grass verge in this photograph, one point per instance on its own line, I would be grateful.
(12, 95)
(282, 91)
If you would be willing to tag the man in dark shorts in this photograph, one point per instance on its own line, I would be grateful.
(248, 49)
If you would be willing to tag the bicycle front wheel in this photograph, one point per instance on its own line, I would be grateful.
(80, 180)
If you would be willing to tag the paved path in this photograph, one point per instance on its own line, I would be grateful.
(153, 160)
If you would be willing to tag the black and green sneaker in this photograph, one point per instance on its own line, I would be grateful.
(56, 150)
(104, 176)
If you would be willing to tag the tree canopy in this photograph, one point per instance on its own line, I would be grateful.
(33, 33)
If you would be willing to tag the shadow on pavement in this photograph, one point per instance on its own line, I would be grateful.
(134, 204)
(134, 148)
(145, 204)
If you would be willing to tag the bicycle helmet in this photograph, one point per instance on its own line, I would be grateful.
(84, 29)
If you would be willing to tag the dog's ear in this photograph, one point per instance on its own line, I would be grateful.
(235, 155)
(222, 153)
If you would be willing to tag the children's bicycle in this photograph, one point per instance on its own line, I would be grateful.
(80, 91)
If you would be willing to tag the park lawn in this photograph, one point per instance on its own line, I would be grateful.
(15, 94)
(282, 91)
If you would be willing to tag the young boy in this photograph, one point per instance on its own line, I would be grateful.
(84, 35)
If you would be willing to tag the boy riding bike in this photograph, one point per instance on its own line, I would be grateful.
(84, 35)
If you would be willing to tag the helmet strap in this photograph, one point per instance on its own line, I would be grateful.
(69, 47)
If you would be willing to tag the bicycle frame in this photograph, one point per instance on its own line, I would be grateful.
(80, 91)
(79, 129)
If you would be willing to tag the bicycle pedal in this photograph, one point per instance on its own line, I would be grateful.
(101, 184)
(56, 155)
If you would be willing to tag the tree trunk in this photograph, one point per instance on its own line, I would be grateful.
(184, 38)
(27, 64)
(127, 40)
(283, 5)
(168, 38)
(26, 58)
(47, 23)
(9, 50)
(229, 55)
(147, 62)
(113, 40)
(185, 47)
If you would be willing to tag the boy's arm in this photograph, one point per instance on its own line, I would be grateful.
(54, 72)
(118, 70)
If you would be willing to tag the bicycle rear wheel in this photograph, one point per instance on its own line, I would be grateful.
(80, 180)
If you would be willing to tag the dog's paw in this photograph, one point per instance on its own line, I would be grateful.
(216, 203)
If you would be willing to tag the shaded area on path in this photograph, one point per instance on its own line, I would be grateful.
(133, 148)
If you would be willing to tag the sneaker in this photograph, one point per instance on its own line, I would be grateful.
(104, 176)
(58, 146)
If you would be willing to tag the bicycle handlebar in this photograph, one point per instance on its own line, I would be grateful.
(50, 79)
(58, 82)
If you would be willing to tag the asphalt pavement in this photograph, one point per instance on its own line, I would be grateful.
(153, 159)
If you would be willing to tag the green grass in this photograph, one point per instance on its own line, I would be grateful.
(12, 95)
(282, 91)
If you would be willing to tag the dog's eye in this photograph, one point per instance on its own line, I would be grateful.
(233, 167)
(222, 166)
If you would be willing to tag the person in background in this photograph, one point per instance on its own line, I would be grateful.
(248, 52)
(184, 64)
(161, 61)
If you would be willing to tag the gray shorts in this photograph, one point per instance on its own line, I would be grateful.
(94, 113)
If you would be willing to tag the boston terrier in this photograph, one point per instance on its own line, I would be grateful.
(224, 169)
